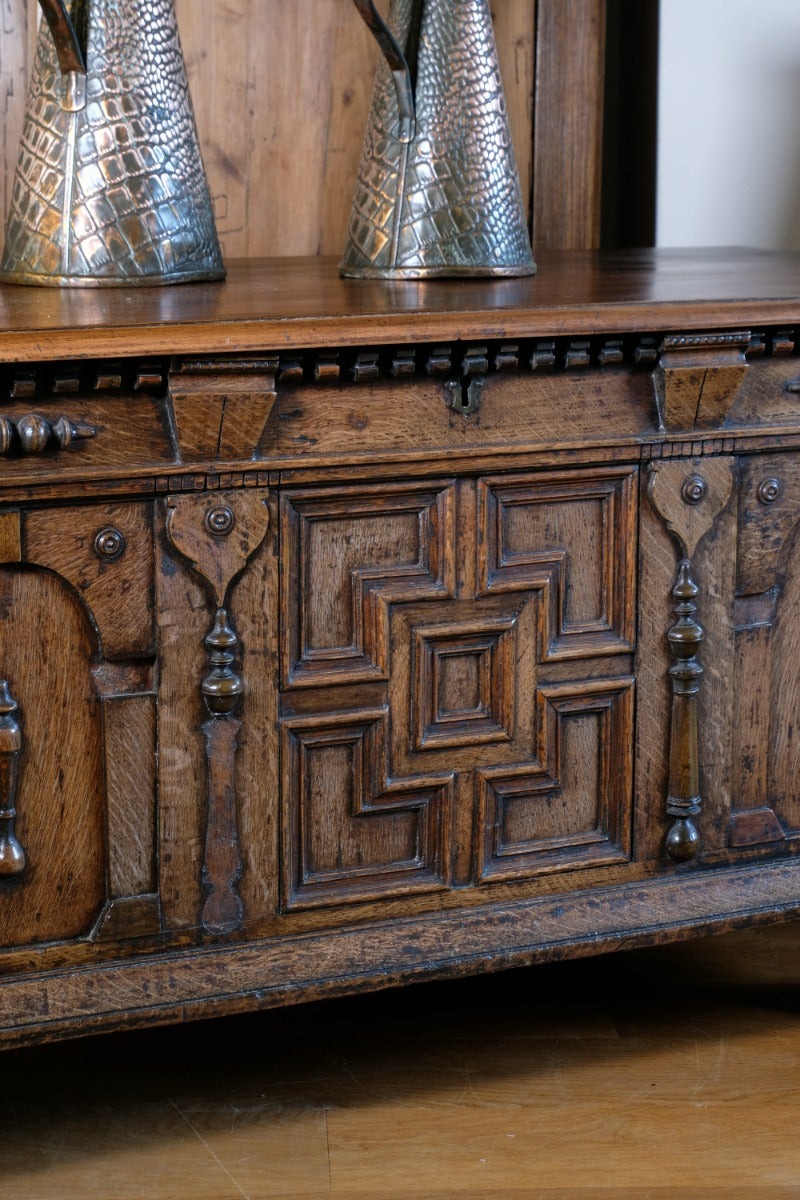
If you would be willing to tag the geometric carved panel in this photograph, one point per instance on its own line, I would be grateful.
(570, 806)
(575, 535)
(463, 681)
(347, 555)
(462, 690)
(407, 682)
(349, 833)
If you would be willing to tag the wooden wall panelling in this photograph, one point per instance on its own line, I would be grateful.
(281, 94)
(515, 31)
(568, 131)
(17, 27)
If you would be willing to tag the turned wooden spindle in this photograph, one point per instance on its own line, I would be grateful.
(12, 856)
(683, 799)
(35, 434)
(222, 688)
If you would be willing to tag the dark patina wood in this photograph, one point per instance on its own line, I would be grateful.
(393, 631)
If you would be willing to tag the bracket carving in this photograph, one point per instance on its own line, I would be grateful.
(698, 377)
(220, 407)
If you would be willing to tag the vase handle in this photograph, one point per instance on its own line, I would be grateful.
(68, 46)
(394, 56)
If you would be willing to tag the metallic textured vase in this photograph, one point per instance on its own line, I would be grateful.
(438, 191)
(110, 188)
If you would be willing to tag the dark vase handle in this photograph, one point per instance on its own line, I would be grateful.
(68, 46)
(394, 56)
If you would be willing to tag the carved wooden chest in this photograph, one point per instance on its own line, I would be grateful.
(354, 633)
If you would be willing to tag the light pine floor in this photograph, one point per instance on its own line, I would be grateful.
(667, 1074)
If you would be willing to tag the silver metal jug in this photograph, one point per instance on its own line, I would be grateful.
(110, 187)
(438, 191)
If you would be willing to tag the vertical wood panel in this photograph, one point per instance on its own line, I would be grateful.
(17, 23)
(130, 737)
(515, 32)
(281, 93)
(568, 134)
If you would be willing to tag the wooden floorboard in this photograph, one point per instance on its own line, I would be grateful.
(664, 1074)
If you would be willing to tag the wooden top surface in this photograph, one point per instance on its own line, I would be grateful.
(284, 304)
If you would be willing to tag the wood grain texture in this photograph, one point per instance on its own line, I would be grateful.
(128, 430)
(17, 28)
(10, 536)
(118, 592)
(130, 744)
(254, 611)
(289, 303)
(697, 379)
(183, 622)
(515, 34)
(227, 979)
(568, 139)
(302, 1103)
(281, 93)
(46, 651)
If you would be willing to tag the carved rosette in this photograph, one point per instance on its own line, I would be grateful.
(201, 531)
(688, 497)
(12, 855)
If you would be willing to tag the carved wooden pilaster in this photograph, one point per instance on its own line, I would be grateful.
(688, 496)
(12, 856)
(218, 534)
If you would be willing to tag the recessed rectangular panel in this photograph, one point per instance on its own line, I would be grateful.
(572, 535)
(348, 833)
(573, 808)
(130, 745)
(349, 554)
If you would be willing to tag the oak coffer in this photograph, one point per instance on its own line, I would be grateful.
(357, 632)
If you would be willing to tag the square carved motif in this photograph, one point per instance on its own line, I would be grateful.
(463, 683)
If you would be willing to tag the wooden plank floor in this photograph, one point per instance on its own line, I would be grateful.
(668, 1074)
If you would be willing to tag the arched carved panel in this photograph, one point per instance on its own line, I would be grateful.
(46, 655)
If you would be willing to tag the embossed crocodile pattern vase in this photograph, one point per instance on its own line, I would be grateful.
(110, 187)
(438, 190)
